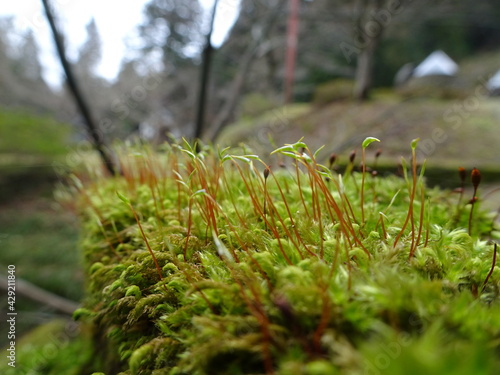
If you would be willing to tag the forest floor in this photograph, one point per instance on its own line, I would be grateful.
(40, 238)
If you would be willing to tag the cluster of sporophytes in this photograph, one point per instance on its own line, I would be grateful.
(204, 262)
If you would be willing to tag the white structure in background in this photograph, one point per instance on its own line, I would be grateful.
(493, 84)
(437, 63)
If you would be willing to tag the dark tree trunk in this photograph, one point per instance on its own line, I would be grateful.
(364, 71)
(205, 76)
(291, 48)
(369, 33)
(81, 103)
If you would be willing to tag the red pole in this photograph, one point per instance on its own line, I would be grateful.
(291, 48)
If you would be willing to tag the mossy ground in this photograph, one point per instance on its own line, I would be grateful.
(204, 262)
(452, 131)
(57, 347)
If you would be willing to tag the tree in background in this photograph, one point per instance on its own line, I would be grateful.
(172, 34)
(253, 37)
(95, 88)
(175, 30)
(90, 53)
(206, 63)
(172, 28)
(370, 20)
(355, 31)
(29, 66)
(127, 110)
(93, 130)
(365, 40)
(7, 64)
(21, 81)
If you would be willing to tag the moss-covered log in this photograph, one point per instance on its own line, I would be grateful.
(201, 263)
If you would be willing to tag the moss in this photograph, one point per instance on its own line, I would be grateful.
(57, 347)
(247, 273)
(29, 134)
(337, 90)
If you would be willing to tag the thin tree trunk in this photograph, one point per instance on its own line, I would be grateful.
(291, 48)
(224, 115)
(83, 107)
(205, 76)
(371, 39)
(364, 71)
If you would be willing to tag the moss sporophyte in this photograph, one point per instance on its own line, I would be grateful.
(204, 261)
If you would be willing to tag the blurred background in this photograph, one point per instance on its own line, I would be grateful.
(261, 72)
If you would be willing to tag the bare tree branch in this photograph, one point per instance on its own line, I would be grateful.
(40, 295)
(96, 137)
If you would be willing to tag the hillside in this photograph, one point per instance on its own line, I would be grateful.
(457, 125)
(448, 132)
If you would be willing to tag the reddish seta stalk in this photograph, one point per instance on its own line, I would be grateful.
(493, 263)
(476, 180)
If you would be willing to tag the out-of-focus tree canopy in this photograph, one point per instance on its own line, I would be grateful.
(334, 35)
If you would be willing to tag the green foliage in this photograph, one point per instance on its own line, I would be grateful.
(370, 140)
(53, 348)
(339, 89)
(256, 104)
(292, 271)
(28, 134)
(441, 87)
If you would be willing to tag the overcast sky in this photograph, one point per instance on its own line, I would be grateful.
(116, 20)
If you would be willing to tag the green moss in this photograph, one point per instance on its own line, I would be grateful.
(337, 90)
(244, 273)
(58, 347)
(30, 134)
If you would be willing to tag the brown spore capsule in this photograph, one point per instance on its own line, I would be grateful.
(332, 159)
(462, 173)
(352, 156)
(266, 172)
(475, 178)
